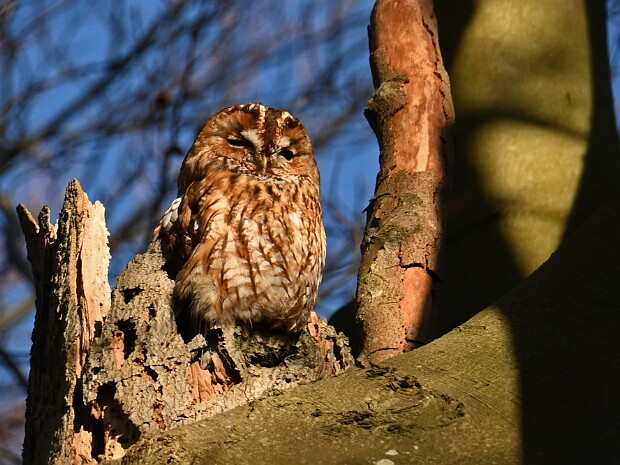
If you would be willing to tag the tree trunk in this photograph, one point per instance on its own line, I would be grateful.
(537, 144)
(411, 113)
(108, 372)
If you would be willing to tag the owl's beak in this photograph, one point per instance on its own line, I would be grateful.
(262, 161)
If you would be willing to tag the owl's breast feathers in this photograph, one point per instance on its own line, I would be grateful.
(246, 249)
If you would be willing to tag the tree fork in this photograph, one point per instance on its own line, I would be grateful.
(412, 115)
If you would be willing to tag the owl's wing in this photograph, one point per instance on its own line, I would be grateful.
(177, 240)
(170, 216)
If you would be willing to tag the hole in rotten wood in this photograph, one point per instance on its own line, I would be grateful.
(151, 373)
(128, 328)
(116, 425)
(129, 294)
(98, 328)
(186, 324)
(98, 428)
(171, 268)
(152, 312)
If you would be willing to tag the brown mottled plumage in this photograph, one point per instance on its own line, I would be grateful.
(246, 233)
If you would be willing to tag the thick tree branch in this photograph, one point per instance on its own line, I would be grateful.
(521, 382)
(412, 115)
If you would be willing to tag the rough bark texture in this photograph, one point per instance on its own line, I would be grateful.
(107, 373)
(69, 265)
(533, 379)
(411, 113)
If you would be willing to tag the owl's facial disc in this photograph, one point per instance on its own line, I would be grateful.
(286, 153)
(251, 143)
(262, 157)
(252, 136)
(283, 149)
(240, 143)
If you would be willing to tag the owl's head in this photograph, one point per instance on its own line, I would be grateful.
(258, 141)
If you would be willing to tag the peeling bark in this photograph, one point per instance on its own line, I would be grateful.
(411, 113)
(111, 369)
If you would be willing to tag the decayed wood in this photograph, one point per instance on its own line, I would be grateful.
(120, 370)
(142, 377)
(411, 113)
(69, 264)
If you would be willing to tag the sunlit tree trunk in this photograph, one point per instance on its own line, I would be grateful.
(411, 113)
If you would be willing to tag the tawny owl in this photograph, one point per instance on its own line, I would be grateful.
(245, 236)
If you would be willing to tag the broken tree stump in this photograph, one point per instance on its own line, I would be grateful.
(110, 368)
